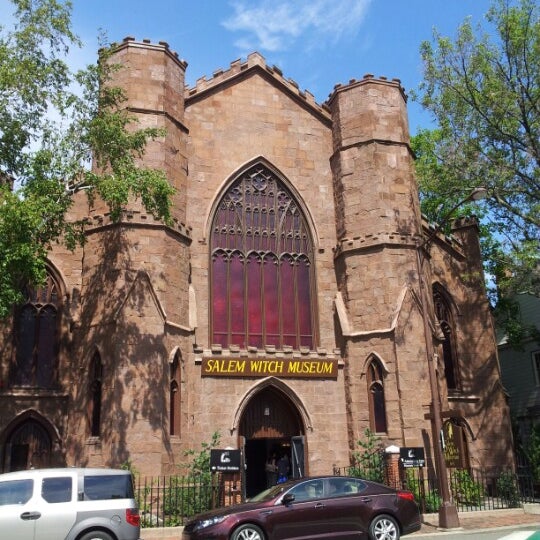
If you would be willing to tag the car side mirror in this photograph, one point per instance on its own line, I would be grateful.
(287, 499)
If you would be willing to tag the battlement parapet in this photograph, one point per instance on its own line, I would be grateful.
(136, 218)
(368, 78)
(254, 61)
(130, 41)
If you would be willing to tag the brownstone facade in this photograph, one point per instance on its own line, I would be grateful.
(139, 375)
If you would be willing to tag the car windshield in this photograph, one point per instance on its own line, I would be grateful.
(268, 494)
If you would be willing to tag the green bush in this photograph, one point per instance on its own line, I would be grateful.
(367, 462)
(532, 451)
(465, 489)
(428, 500)
(507, 489)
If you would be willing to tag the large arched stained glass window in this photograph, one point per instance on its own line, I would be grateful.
(262, 266)
(36, 336)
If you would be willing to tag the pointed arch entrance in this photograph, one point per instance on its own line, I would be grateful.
(271, 425)
(30, 442)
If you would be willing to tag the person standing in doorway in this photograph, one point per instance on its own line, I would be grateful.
(271, 470)
(283, 469)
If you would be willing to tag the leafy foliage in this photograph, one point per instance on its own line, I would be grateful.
(484, 94)
(428, 499)
(507, 489)
(194, 493)
(532, 452)
(367, 461)
(465, 489)
(55, 143)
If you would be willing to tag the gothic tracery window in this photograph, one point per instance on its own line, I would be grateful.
(262, 266)
(377, 405)
(449, 353)
(36, 336)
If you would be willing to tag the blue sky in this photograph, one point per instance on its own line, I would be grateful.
(318, 43)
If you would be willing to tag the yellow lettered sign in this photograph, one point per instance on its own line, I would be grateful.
(263, 367)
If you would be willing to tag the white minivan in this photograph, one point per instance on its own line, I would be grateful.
(70, 504)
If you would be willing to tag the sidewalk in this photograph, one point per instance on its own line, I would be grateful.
(488, 519)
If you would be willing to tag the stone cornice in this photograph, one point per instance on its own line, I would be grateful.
(133, 218)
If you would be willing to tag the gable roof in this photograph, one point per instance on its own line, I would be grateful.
(256, 65)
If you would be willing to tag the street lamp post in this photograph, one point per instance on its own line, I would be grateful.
(448, 516)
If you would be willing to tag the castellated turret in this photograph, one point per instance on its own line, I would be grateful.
(376, 197)
(152, 77)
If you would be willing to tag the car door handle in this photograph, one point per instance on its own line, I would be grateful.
(27, 516)
(319, 505)
(366, 499)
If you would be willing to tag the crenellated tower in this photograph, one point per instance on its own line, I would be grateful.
(377, 208)
(134, 301)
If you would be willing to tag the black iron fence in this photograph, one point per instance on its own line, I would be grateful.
(167, 501)
(471, 489)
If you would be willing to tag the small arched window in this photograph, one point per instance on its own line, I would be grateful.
(174, 397)
(262, 274)
(377, 404)
(449, 353)
(36, 337)
(95, 397)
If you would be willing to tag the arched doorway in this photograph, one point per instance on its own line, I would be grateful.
(29, 445)
(271, 425)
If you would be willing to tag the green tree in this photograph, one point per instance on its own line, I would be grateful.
(483, 91)
(56, 142)
(367, 461)
(532, 452)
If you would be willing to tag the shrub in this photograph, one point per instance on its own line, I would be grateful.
(367, 462)
(465, 489)
(532, 451)
(507, 489)
(429, 501)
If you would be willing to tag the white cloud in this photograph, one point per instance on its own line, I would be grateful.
(275, 25)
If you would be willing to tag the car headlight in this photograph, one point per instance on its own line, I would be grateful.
(209, 522)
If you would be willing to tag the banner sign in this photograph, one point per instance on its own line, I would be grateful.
(412, 456)
(279, 367)
(454, 451)
(224, 460)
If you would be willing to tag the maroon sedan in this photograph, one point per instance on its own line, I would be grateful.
(312, 508)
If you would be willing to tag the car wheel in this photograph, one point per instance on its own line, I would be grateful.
(384, 528)
(96, 535)
(248, 532)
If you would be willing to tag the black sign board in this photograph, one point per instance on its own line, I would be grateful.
(412, 456)
(224, 460)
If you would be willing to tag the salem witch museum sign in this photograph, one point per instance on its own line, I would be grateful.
(253, 367)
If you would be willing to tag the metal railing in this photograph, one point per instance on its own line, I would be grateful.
(167, 501)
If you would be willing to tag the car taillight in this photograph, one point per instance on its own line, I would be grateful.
(407, 495)
(133, 517)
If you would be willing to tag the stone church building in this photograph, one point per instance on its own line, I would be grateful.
(283, 310)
